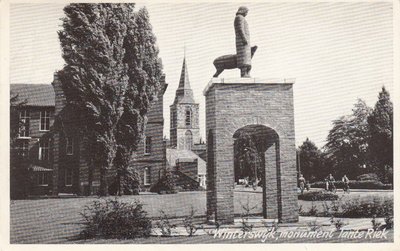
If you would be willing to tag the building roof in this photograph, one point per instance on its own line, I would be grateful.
(173, 155)
(184, 93)
(34, 94)
(184, 80)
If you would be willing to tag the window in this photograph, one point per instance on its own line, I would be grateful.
(43, 150)
(44, 121)
(147, 145)
(24, 118)
(42, 179)
(69, 146)
(188, 140)
(24, 149)
(68, 177)
(146, 176)
(188, 117)
(173, 121)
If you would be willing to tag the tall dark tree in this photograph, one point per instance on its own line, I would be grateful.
(95, 76)
(145, 84)
(360, 133)
(347, 142)
(249, 155)
(381, 135)
(311, 161)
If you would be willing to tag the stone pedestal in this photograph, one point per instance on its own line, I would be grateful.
(234, 104)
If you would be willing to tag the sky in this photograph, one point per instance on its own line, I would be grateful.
(337, 52)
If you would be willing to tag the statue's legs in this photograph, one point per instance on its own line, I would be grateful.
(245, 71)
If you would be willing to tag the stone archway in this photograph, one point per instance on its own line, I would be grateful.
(234, 104)
(266, 144)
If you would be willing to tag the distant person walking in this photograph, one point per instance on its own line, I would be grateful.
(346, 181)
(331, 183)
(302, 182)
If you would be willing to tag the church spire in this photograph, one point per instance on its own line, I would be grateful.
(184, 80)
(184, 93)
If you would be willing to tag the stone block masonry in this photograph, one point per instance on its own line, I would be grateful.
(234, 104)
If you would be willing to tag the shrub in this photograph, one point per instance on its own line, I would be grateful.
(318, 196)
(378, 207)
(375, 223)
(388, 222)
(365, 184)
(301, 210)
(313, 210)
(338, 223)
(188, 223)
(165, 185)
(368, 176)
(246, 226)
(129, 183)
(165, 225)
(115, 219)
(313, 225)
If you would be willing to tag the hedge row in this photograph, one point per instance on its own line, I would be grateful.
(318, 196)
(374, 206)
(362, 184)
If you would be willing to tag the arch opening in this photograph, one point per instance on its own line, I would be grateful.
(256, 163)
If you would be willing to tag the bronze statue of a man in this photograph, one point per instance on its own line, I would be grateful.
(243, 49)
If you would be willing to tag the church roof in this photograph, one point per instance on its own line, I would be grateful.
(184, 93)
(174, 155)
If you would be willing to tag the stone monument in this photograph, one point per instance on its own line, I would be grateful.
(264, 108)
(242, 34)
(244, 53)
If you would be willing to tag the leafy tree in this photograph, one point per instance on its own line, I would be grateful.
(112, 75)
(311, 161)
(95, 77)
(249, 155)
(381, 135)
(347, 141)
(144, 85)
(360, 133)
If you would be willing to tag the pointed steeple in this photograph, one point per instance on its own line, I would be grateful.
(184, 93)
(184, 80)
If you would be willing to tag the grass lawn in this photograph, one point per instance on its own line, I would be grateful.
(59, 221)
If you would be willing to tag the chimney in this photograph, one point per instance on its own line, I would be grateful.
(60, 99)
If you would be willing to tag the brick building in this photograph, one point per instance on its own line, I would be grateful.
(54, 150)
(33, 145)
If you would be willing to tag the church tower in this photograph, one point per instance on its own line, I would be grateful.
(184, 117)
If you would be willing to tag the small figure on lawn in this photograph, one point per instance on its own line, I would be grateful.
(346, 181)
(302, 182)
(331, 183)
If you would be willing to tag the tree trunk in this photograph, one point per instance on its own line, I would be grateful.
(103, 191)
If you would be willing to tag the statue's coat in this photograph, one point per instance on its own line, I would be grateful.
(243, 51)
